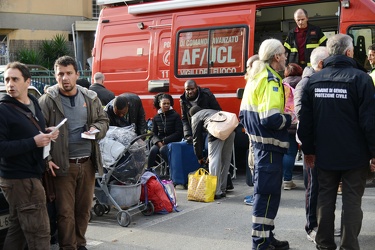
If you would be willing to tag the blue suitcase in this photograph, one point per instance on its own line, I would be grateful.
(182, 161)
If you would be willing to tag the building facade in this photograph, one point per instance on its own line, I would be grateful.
(26, 23)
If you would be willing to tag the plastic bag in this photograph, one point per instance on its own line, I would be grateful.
(168, 184)
(222, 124)
(201, 186)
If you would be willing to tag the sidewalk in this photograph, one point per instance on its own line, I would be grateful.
(225, 224)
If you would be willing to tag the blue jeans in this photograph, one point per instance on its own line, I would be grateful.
(290, 158)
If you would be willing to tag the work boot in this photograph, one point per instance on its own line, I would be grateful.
(280, 245)
(288, 185)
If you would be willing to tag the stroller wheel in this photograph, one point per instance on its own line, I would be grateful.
(107, 209)
(148, 209)
(90, 215)
(99, 209)
(123, 218)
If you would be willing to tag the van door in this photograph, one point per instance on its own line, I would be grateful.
(211, 46)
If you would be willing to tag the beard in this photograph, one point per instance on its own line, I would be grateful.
(191, 97)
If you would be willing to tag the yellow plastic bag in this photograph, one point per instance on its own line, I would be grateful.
(201, 186)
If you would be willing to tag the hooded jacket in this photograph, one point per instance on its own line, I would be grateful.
(53, 111)
(199, 123)
(337, 116)
(20, 157)
(205, 100)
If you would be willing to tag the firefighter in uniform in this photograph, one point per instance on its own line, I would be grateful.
(303, 39)
(262, 114)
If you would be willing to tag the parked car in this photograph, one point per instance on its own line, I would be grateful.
(4, 208)
(40, 76)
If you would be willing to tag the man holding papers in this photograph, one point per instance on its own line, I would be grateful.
(76, 156)
(22, 138)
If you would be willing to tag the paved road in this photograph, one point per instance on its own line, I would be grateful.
(218, 225)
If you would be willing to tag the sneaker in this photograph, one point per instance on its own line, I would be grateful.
(230, 187)
(280, 245)
(339, 190)
(288, 185)
(180, 187)
(337, 232)
(311, 235)
(249, 200)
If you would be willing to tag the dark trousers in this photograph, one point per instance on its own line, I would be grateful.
(74, 193)
(310, 177)
(154, 151)
(353, 186)
(268, 174)
(28, 215)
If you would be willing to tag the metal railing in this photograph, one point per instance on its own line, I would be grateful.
(42, 78)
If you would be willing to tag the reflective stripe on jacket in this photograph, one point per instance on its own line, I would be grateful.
(314, 38)
(261, 112)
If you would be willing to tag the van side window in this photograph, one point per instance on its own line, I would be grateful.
(363, 37)
(214, 51)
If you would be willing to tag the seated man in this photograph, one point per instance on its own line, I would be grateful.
(125, 110)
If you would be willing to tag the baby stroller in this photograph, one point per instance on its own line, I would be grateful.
(124, 156)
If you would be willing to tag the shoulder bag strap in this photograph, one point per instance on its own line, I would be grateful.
(27, 114)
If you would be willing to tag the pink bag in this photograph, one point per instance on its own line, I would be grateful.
(222, 124)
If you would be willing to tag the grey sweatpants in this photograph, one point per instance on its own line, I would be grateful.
(219, 157)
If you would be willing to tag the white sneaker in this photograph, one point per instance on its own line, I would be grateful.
(311, 235)
(288, 185)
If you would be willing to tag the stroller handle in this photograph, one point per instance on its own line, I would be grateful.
(143, 137)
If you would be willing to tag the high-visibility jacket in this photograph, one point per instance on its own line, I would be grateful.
(314, 38)
(261, 112)
(372, 74)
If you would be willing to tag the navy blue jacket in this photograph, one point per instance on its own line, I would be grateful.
(337, 116)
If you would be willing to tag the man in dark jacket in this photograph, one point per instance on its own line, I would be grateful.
(22, 138)
(310, 175)
(127, 109)
(195, 96)
(337, 131)
(219, 151)
(303, 39)
(104, 94)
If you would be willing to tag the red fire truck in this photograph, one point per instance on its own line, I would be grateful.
(146, 47)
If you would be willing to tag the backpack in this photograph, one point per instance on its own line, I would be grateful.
(153, 190)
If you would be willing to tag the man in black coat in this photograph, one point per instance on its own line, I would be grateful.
(127, 109)
(104, 94)
(303, 39)
(23, 134)
(337, 131)
(195, 96)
